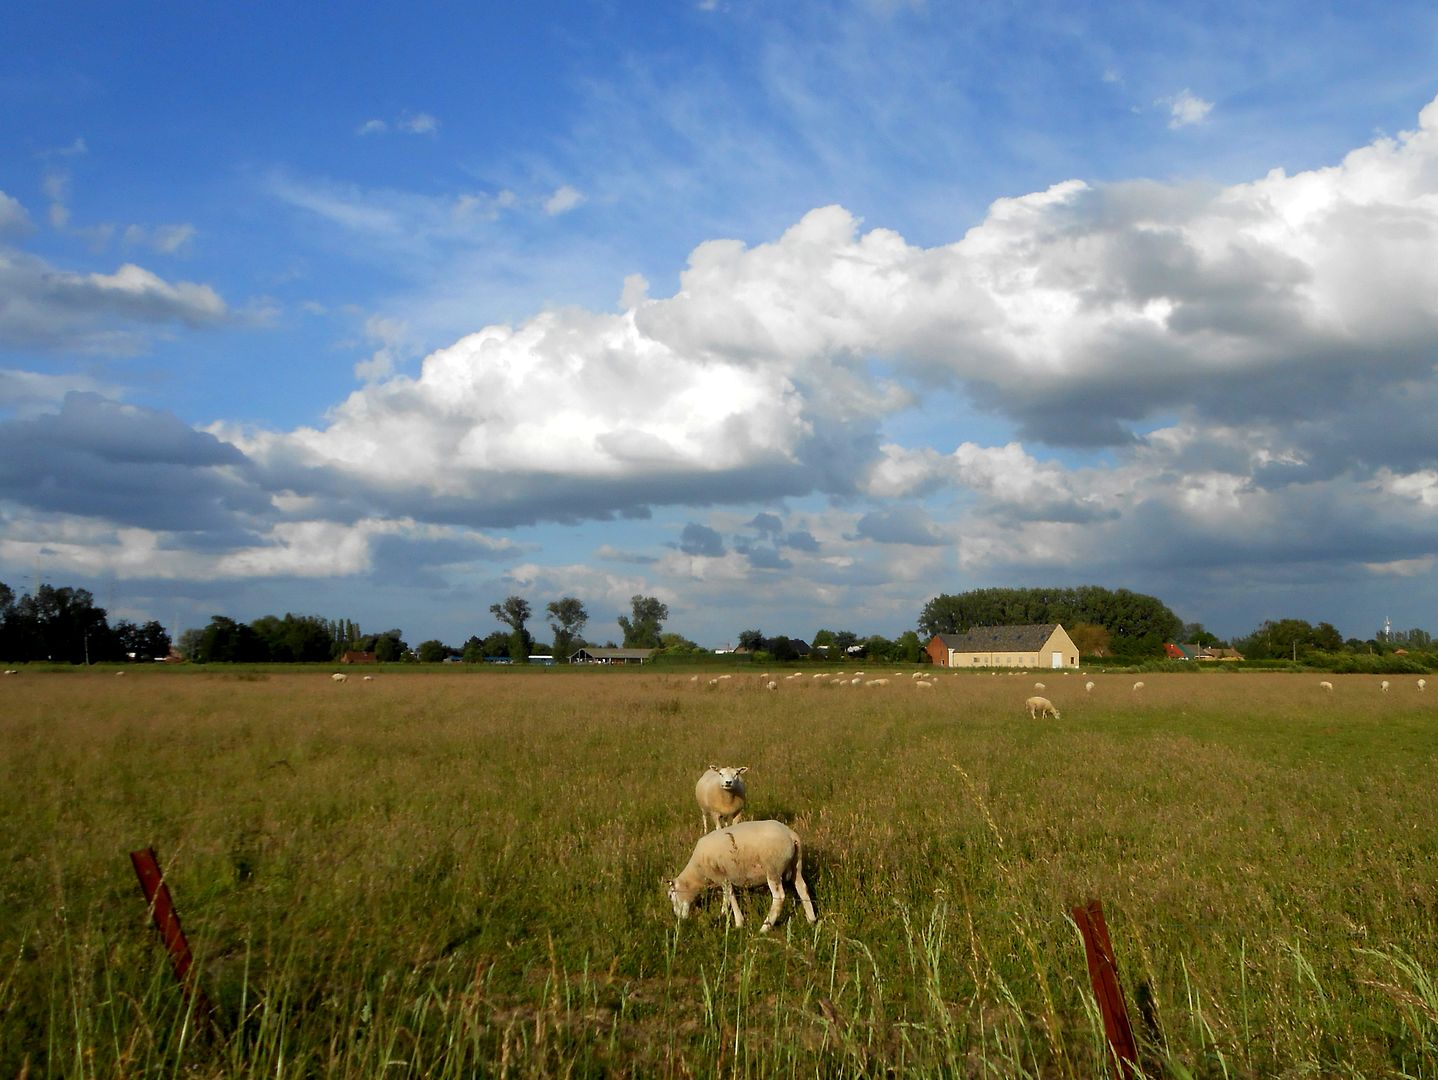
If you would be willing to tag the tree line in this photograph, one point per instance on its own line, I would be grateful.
(64, 625)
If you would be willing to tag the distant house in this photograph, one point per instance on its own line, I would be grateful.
(1210, 652)
(590, 655)
(1176, 652)
(1038, 645)
(353, 657)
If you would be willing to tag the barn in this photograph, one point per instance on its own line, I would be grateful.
(1038, 645)
(589, 655)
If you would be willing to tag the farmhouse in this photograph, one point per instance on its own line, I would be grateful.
(1040, 645)
(590, 655)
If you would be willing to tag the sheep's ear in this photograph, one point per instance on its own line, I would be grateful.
(742, 769)
(713, 768)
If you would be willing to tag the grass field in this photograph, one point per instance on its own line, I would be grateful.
(458, 875)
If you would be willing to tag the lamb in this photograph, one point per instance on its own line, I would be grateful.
(1137, 687)
(747, 854)
(1326, 685)
(721, 795)
(1383, 686)
(1041, 706)
(1422, 684)
(339, 676)
(1088, 686)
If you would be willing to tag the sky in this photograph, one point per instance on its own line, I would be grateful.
(791, 315)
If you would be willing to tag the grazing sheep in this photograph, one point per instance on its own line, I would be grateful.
(693, 678)
(1422, 684)
(877, 682)
(339, 676)
(748, 854)
(1383, 686)
(771, 685)
(119, 673)
(11, 671)
(1040, 686)
(924, 684)
(856, 681)
(1041, 706)
(1088, 686)
(1137, 687)
(368, 678)
(1326, 685)
(721, 795)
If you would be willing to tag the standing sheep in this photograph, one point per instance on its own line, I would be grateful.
(340, 676)
(721, 795)
(1422, 685)
(1137, 687)
(747, 854)
(1088, 686)
(1041, 706)
(1383, 686)
(1326, 686)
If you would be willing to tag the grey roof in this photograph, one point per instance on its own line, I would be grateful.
(616, 654)
(984, 639)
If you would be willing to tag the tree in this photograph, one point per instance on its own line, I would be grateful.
(148, 642)
(1090, 639)
(642, 632)
(514, 613)
(1288, 639)
(225, 641)
(908, 649)
(752, 640)
(679, 645)
(568, 616)
(432, 651)
(878, 647)
(781, 648)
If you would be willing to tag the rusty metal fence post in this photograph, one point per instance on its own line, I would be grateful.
(167, 922)
(1103, 973)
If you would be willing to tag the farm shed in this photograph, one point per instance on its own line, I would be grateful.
(589, 655)
(1039, 645)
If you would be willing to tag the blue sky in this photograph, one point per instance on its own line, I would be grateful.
(791, 315)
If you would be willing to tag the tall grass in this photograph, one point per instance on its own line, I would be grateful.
(426, 876)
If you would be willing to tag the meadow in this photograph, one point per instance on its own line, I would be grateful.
(458, 874)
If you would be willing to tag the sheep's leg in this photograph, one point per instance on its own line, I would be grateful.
(738, 817)
(776, 889)
(803, 891)
(733, 903)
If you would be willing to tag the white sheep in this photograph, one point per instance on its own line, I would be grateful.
(1326, 685)
(119, 673)
(1422, 684)
(11, 671)
(339, 676)
(1088, 686)
(721, 795)
(1383, 686)
(771, 685)
(368, 678)
(1137, 687)
(1040, 686)
(924, 684)
(877, 682)
(747, 854)
(1041, 706)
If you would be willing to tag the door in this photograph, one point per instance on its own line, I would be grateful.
(1058, 660)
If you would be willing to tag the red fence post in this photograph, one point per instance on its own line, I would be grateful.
(167, 921)
(1103, 973)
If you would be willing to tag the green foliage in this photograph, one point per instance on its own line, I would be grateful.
(1288, 639)
(1138, 625)
(568, 617)
(432, 651)
(513, 612)
(644, 629)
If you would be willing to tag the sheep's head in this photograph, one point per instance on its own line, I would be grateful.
(729, 776)
(681, 900)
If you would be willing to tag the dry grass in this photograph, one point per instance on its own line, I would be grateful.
(437, 876)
